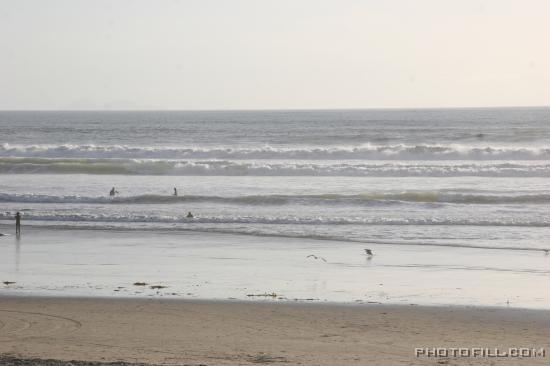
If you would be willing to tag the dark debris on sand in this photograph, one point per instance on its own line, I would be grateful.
(157, 287)
(15, 361)
(263, 358)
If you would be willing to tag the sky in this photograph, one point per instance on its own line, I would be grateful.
(273, 54)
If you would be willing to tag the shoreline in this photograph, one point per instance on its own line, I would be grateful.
(193, 332)
(264, 300)
(175, 231)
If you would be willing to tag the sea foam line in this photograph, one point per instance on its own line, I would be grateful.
(275, 220)
(364, 152)
(351, 168)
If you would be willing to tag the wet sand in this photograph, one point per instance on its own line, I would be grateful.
(194, 265)
(182, 332)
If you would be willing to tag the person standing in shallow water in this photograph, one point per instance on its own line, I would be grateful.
(18, 223)
(175, 191)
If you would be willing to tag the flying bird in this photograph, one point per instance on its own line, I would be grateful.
(369, 252)
(316, 257)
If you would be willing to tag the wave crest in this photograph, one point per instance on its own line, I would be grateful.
(365, 152)
(370, 198)
(269, 168)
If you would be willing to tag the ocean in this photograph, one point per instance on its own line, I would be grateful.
(402, 181)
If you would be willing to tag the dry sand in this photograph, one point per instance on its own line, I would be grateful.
(231, 333)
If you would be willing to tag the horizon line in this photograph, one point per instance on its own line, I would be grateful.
(272, 109)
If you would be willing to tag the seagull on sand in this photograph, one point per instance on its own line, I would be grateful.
(369, 252)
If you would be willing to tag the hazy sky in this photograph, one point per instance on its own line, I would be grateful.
(269, 54)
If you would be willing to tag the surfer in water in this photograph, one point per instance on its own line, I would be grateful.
(175, 191)
(113, 192)
(189, 215)
(18, 224)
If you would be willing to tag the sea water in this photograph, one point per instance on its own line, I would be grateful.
(450, 179)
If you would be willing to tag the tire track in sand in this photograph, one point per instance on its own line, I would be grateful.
(16, 323)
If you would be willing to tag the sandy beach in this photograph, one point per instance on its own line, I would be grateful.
(236, 333)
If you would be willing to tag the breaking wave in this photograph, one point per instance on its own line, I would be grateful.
(129, 218)
(365, 152)
(271, 168)
(375, 198)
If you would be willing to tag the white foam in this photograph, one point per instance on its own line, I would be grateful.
(365, 152)
(275, 220)
(351, 168)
